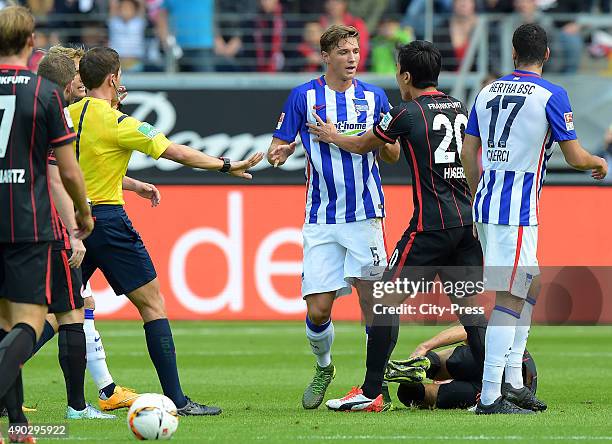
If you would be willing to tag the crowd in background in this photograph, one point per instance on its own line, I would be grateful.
(283, 35)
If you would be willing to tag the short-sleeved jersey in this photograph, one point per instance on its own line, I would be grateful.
(517, 118)
(431, 129)
(341, 186)
(32, 120)
(104, 144)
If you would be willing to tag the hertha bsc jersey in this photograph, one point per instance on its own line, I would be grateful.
(32, 120)
(517, 118)
(341, 186)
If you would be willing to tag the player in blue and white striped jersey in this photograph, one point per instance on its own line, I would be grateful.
(343, 229)
(516, 119)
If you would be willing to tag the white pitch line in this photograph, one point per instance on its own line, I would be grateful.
(448, 438)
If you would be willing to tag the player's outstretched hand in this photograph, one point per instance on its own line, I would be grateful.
(601, 171)
(323, 131)
(121, 95)
(78, 252)
(239, 168)
(280, 153)
(421, 350)
(85, 225)
(150, 192)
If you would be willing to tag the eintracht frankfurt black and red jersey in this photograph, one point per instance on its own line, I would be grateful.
(431, 130)
(32, 121)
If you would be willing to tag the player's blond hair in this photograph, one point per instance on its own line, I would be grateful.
(73, 53)
(333, 35)
(16, 27)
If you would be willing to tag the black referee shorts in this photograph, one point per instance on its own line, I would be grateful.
(67, 282)
(25, 272)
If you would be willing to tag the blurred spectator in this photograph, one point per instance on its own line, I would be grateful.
(569, 37)
(266, 38)
(228, 33)
(491, 77)
(453, 36)
(337, 14)
(497, 6)
(72, 17)
(126, 32)
(415, 14)
(40, 8)
(370, 11)
(309, 49)
(185, 28)
(384, 45)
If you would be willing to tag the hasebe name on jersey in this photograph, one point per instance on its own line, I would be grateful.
(12, 176)
(454, 172)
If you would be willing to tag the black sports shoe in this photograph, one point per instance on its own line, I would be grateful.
(501, 406)
(523, 398)
(192, 408)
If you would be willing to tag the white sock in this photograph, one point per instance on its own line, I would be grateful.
(321, 338)
(96, 357)
(498, 339)
(514, 365)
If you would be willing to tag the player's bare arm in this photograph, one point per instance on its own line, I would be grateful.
(450, 336)
(469, 160)
(196, 159)
(390, 153)
(65, 208)
(143, 189)
(577, 157)
(72, 179)
(279, 151)
(326, 132)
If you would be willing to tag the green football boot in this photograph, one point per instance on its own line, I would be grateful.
(408, 371)
(314, 393)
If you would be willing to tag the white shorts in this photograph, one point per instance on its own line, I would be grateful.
(510, 257)
(334, 254)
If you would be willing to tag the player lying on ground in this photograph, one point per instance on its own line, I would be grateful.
(110, 395)
(456, 376)
(343, 232)
(516, 119)
(33, 108)
(106, 139)
(429, 125)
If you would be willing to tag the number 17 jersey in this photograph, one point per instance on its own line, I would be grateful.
(517, 118)
(431, 129)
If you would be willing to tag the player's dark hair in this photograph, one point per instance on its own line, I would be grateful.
(530, 43)
(333, 35)
(96, 64)
(16, 26)
(422, 60)
(58, 68)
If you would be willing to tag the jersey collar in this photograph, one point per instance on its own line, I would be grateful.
(432, 93)
(16, 67)
(520, 73)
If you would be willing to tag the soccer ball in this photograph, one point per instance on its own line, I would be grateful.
(152, 416)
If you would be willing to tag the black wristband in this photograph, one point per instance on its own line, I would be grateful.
(227, 164)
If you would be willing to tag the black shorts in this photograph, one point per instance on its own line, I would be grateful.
(25, 272)
(116, 248)
(66, 287)
(425, 254)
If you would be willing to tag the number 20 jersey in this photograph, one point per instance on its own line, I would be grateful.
(430, 129)
(517, 118)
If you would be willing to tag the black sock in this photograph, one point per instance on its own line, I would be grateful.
(381, 341)
(15, 349)
(46, 336)
(73, 360)
(108, 390)
(161, 350)
(3, 333)
(476, 328)
(435, 366)
(13, 401)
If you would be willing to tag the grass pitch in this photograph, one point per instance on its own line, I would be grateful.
(257, 372)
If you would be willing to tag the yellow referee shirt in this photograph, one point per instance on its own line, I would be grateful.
(104, 144)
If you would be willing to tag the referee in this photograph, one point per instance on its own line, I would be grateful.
(105, 141)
